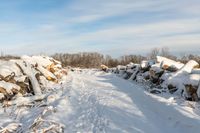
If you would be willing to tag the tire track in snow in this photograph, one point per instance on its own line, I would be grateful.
(102, 103)
(89, 113)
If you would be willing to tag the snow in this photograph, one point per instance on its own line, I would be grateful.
(96, 102)
(147, 63)
(40, 60)
(8, 67)
(192, 79)
(187, 68)
(9, 87)
(144, 64)
(165, 61)
(120, 67)
(156, 68)
(130, 65)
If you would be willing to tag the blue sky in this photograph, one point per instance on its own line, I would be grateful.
(114, 27)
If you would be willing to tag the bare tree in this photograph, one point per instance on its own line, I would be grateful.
(165, 52)
(153, 53)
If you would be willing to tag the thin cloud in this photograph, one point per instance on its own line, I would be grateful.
(96, 25)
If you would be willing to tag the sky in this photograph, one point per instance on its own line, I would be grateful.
(114, 27)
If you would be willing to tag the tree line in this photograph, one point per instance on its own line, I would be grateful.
(94, 59)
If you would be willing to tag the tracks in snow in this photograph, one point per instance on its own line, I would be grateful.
(96, 102)
(105, 103)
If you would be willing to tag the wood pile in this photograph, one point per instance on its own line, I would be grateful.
(165, 74)
(28, 75)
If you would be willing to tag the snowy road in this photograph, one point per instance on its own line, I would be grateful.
(98, 102)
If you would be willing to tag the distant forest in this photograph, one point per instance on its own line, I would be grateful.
(94, 59)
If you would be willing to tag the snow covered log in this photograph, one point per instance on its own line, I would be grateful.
(183, 80)
(146, 65)
(44, 61)
(135, 72)
(31, 73)
(8, 89)
(187, 68)
(155, 73)
(121, 69)
(9, 67)
(49, 76)
(131, 65)
(48, 63)
(25, 100)
(169, 64)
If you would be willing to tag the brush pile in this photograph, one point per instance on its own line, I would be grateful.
(165, 75)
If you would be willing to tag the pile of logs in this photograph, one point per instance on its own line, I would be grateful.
(28, 76)
(166, 74)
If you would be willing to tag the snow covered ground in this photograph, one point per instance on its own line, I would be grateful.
(96, 102)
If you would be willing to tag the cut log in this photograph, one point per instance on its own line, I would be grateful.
(31, 74)
(51, 68)
(182, 77)
(187, 68)
(136, 71)
(169, 64)
(49, 76)
(8, 88)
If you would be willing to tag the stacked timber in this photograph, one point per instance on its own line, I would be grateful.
(28, 75)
